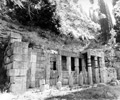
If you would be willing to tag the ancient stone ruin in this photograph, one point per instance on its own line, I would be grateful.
(30, 67)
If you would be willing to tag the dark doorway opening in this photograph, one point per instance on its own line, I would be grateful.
(86, 61)
(72, 63)
(53, 65)
(80, 65)
(64, 63)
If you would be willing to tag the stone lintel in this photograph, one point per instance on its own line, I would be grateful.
(68, 53)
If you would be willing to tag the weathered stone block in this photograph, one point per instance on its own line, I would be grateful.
(28, 77)
(25, 51)
(19, 65)
(17, 72)
(28, 82)
(16, 57)
(53, 74)
(18, 88)
(47, 81)
(42, 82)
(47, 70)
(33, 68)
(18, 80)
(37, 84)
(65, 74)
(17, 50)
(15, 44)
(20, 44)
(42, 58)
(39, 53)
(42, 64)
(65, 81)
(53, 82)
(46, 86)
(38, 61)
(40, 74)
(25, 58)
(42, 88)
(81, 79)
(24, 45)
(19, 57)
(32, 84)
(59, 85)
(74, 80)
(70, 81)
(33, 58)
(15, 40)
(15, 36)
(25, 64)
(37, 65)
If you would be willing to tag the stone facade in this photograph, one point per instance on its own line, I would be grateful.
(32, 68)
(111, 74)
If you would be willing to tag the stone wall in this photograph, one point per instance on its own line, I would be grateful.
(16, 61)
(26, 67)
(29, 67)
(110, 74)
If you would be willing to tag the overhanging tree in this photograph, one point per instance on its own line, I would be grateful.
(64, 18)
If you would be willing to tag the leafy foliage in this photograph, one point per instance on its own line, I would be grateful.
(74, 22)
(117, 17)
(33, 13)
(65, 17)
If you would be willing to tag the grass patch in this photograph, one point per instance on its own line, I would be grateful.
(99, 93)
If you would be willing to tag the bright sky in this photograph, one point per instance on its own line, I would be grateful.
(86, 6)
(110, 6)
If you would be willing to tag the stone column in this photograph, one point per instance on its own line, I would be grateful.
(69, 65)
(96, 70)
(84, 72)
(90, 79)
(102, 70)
(33, 59)
(59, 67)
(48, 69)
(69, 71)
(77, 68)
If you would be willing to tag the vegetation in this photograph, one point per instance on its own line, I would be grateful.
(117, 17)
(60, 17)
